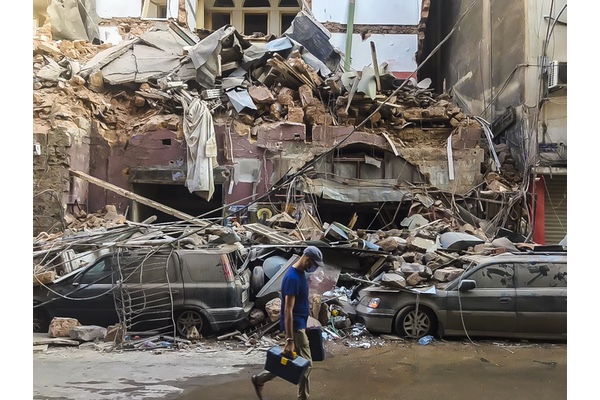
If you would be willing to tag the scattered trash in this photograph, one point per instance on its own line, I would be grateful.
(425, 340)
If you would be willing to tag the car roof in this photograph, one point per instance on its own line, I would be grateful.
(516, 257)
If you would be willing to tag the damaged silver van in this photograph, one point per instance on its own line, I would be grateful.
(159, 290)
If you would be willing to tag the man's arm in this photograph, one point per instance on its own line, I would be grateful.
(288, 323)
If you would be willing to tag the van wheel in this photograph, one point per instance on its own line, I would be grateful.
(188, 318)
(413, 324)
(41, 320)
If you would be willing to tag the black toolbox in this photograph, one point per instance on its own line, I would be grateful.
(316, 342)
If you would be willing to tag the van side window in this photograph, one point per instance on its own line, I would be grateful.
(541, 275)
(153, 269)
(208, 269)
(494, 276)
(98, 274)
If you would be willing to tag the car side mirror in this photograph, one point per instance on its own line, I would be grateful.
(466, 285)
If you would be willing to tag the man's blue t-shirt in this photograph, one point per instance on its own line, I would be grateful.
(295, 283)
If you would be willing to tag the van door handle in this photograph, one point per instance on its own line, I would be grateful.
(174, 291)
(504, 300)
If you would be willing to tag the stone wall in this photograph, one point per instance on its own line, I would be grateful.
(63, 146)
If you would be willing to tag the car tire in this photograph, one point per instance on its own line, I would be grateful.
(409, 323)
(257, 281)
(187, 318)
(41, 320)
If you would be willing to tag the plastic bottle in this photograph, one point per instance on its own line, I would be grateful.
(425, 340)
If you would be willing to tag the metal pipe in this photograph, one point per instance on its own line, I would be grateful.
(349, 31)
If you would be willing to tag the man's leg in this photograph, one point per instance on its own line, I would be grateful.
(303, 350)
(259, 380)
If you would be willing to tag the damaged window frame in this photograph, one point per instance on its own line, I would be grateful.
(357, 158)
(146, 8)
(239, 11)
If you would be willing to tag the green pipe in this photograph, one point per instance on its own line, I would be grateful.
(349, 31)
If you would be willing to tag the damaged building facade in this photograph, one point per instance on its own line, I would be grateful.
(240, 110)
(508, 65)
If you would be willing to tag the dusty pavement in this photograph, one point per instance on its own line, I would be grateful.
(455, 369)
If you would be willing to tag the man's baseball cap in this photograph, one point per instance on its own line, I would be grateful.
(315, 255)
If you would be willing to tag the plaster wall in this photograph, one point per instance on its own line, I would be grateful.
(552, 126)
(496, 59)
(133, 9)
(119, 8)
(159, 149)
(397, 50)
(384, 12)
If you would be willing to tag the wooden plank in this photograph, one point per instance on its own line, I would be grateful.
(229, 335)
(49, 340)
(389, 140)
(140, 199)
(376, 267)
(375, 66)
(40, 348)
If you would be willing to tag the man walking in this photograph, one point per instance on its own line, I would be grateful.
(294, 315)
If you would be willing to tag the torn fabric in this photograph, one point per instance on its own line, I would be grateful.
(199, 132)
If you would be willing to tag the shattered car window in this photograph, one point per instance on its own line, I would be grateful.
(99, 273)
(151, 270)
(542, 275)
(494, 276)
(208, 269)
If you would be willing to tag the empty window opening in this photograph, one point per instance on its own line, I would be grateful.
(166, 142)
(155, 9)
(224, 3)
(257, 3)
(286, 21)
(219, 20)
(256, 23)
(289, 3)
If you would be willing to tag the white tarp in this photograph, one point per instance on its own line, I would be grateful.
(199, 132)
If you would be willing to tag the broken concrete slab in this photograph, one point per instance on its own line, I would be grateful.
(447, 274)
(87, 333)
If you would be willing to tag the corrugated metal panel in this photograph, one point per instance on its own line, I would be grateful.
(555, 208)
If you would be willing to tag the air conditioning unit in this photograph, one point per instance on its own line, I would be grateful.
(557, 75)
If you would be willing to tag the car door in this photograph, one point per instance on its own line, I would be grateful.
(211, 280)
(541, 298)
(488, 309)
(148, 287)
(89, 297)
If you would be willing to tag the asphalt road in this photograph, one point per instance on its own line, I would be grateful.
(386, 370)
(441, 370)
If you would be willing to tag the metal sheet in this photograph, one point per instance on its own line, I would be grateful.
(458, 240)
(166, 41)
(282, 43)
(555, 208)
(153, 63)
(356, 194)
(106, 56)
(240, 99)
(121, 70)
(315, 38)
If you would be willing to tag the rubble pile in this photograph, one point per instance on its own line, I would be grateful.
(259, 82)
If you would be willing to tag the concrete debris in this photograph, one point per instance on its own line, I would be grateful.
(87, 333)
(268, 91)
(61, 327)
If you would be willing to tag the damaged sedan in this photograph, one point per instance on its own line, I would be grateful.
(510, 295)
